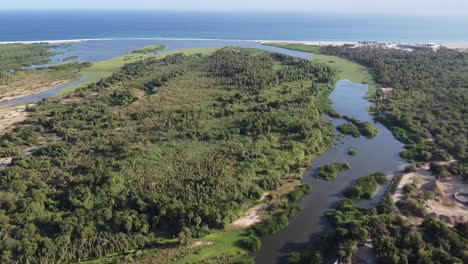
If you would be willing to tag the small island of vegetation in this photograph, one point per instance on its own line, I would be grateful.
(151, 49)
(330, 172)
(349, 129)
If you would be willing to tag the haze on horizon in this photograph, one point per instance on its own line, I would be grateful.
(437, 7)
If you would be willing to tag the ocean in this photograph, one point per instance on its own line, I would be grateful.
(60, 25)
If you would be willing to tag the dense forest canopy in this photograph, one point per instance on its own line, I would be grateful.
(427, 101)
(164, 146)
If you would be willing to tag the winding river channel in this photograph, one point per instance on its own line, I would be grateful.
(380, 153)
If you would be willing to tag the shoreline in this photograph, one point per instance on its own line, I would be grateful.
(452, 45)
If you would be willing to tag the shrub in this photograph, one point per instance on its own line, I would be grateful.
(365, 186)
(332, 113)
(367, 129)
(294, 258)
(252, 243)
(353, 192)
(410, 168)
(330, 172)
(297, 194)
(351, 152)
(412, 207)
(349, 129)
(410, 189)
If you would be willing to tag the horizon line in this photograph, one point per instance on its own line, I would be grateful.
(234, 11)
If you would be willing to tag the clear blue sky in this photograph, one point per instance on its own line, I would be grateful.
(442, 7)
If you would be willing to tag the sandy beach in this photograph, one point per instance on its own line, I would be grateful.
(451, 45)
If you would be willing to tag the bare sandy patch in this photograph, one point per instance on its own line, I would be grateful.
(443, 206)
(256, 214)
(11, 116)
(201, 243)
(4, 162)
(457, 46)
(249, 218)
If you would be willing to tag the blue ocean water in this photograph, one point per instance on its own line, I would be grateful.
(50, 25)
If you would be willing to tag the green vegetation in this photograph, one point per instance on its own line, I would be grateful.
(368, 130)
(346, 69)
(426, 107)
(365, 186)
(252, 243)
(411, 207)
(277, 222)
(167, 147)
(151, 49)
(365, 128)
(333, 113)
(349, 129)
(71, 58)
(105, 69)
(16, 56)
(394, 239)
(330, 172)
(427, 97)
(352, 151)
(227, 247)
(411, 167)
(297, 194)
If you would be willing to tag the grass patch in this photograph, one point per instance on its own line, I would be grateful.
(225, 243)
(346, 69)
(106, 68)
(151, 49)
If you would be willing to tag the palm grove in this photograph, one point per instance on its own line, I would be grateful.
(163, 148)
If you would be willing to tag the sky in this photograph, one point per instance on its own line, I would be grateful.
(441, 7)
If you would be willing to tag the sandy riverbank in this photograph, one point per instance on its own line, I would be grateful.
(8, 93)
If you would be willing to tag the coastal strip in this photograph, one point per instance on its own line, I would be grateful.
(451, 45)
